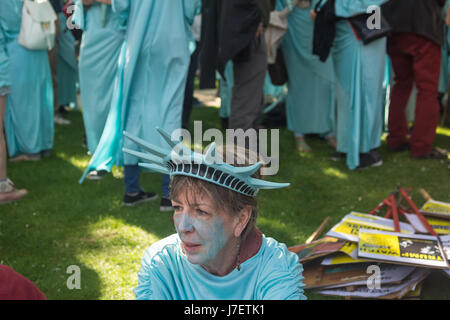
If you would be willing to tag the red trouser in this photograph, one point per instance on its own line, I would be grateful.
(415, 59)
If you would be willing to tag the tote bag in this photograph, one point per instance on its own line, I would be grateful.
(38, 29)
(275, 31)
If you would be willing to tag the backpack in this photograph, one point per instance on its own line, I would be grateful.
(38, 28)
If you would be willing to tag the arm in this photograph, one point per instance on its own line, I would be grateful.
(282, 277)
(146, 287)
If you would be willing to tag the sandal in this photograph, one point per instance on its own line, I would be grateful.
(26, 157)
(302, 146)
(8, 193)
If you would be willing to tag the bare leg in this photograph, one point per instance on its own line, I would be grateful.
(2, 139)
(8, 192)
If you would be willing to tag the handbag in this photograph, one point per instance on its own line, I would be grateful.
(366, 35)
(276, 30)
(278, 71)
(38, 28)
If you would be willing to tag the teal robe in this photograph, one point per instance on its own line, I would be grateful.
(103, 37)
(226, 90)
(273, 273)
(359, 71)
(149, 88)
(4, 60)
(445, 66)
(67, 70)
(310, 106)
(29, 123)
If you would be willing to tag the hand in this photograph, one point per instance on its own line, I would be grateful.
(104, 1)
(88, 2)
(260, 30)
(313, 15)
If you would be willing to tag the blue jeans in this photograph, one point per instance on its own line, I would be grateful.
(132, 174)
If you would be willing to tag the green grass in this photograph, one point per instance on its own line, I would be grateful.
(62, 223)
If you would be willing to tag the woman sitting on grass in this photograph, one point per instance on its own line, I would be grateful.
(218, 252)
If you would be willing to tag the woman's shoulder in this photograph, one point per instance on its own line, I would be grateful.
(280, 274)
(163, 249)
(276, 255)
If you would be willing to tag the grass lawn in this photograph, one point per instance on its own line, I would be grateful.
(62, 223)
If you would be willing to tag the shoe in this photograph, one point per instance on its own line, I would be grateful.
(165, 205)
(63, 110)
(302, 146)
(46, 153)
(400, 148)
(97, 175)
(436, 153)
(8, 193)
(338, 156)
(26, 157)
(60, 120)
(142, 196)
(371, 159)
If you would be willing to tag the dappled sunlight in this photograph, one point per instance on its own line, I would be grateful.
(277, 229)
(80, 162)
(117, 172)
(208, 97)
(305, 155)
(335, 173)
(114, 249)
(443, 131)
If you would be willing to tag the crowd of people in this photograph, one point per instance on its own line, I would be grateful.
(339, 93)
(136, 65)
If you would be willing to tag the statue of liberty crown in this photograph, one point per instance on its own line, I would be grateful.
(180, 160)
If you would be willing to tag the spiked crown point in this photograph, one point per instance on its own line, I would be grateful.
(210, 167)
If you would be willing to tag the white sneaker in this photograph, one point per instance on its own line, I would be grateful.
(61, 121)
(97, 175)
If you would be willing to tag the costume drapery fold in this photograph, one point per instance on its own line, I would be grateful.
(149, 87)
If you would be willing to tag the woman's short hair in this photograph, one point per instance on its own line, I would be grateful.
(226, 199)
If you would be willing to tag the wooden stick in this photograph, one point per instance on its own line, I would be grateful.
(319, 230)
(425, 194)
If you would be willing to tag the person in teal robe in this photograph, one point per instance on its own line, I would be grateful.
(103, 36)
(29, 125)
(272, 274)
(150, 86)
(218, 252)
(8, 192)
(359, 71)
(310, 106)
(67, 73)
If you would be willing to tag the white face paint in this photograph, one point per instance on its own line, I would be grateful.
(203, 231)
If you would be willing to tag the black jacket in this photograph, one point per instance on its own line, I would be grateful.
(228, 28)
(422, 17)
